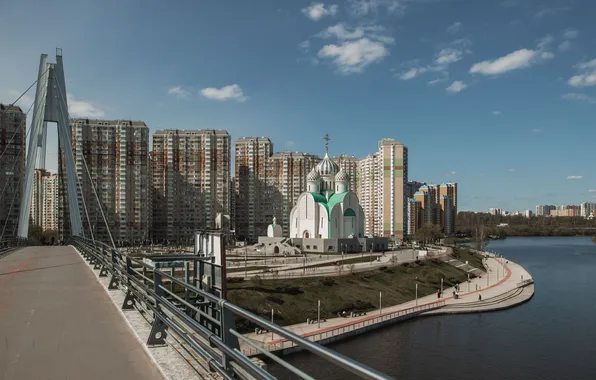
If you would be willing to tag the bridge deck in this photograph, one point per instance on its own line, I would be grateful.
(56, 322)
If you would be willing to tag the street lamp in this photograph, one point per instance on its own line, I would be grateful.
(319, 313)
(416, 294)
(441, 287)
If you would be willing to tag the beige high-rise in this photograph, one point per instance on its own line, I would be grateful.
(382, 190)
(116, 153)
(44, 205)
(191, 174)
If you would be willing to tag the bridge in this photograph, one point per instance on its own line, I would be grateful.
(84, 309)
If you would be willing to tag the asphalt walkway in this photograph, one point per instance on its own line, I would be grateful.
(56, 322)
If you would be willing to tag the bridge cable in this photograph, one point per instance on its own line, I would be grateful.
(89, 175)
(23, 94)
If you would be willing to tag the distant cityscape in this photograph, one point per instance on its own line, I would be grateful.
(585, 210)
(185, 184)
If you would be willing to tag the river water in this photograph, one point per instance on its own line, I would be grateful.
(551, 337)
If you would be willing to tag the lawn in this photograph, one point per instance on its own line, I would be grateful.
(295, 300)
(464, 254)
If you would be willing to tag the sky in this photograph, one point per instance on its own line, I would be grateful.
(498, 96)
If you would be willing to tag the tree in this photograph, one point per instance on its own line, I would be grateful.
(479, 237)
(428, 234)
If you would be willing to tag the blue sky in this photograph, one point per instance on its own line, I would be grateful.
(499, 96)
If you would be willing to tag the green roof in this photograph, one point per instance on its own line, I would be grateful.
(322, 200)
(335, 199)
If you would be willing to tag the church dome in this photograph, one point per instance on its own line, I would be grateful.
(327, 166)
(313, 175)
(342, 175)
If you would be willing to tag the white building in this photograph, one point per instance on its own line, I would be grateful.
(328, 209)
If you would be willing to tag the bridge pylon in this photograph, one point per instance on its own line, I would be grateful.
(50, 106)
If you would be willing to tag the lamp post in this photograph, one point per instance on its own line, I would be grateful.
(271, 322)
(416, 294)
(468, 283)
(319, 312)
(441, 287)
(380, 302)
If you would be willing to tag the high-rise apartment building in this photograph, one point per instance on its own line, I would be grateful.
(191, 174)
(12, 166)
(281, 185)
(544, 210)
(447, 207)
(116, 155)
(49, 200)
(383, 190)
(369, 192)
(587, 209)
(415, 218)
(250, 160)
(36, 216)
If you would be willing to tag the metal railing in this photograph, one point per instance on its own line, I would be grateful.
(198, 317)
(362, 323)
(8, 244)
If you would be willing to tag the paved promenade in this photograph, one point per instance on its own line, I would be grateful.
(56, 322)
(499, 288)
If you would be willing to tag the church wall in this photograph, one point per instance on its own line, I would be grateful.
(336, 222)
(322, 221)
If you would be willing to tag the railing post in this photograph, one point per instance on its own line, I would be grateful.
(129, 300)
(114, 282)
(104, 270)
(159, 332)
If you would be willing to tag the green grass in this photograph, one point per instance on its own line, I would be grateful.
(348, 261)
(464, 254)
(295, 300)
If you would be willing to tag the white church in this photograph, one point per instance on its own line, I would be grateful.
(328, 209)
(327, 217)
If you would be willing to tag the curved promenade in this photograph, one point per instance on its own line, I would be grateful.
(504, 285)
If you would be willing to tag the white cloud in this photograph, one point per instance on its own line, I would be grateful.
(447, 56)
(454, 28)
(587, 65)
(545, 42)
(304, 46)
(575, 176)
(179, 92)
(565, 45)
(290, 143)
(592, 191)
(360, 8)
(571, 34)
(25, 102)
(497, 113)
(413, 73)
(231, 92)
(438, 80)
(511, 169)
(80, 108)
(519, 59)
(354, 56)
(537, 130)
(578, 96)
(583, 80)
(343, 32)
(317, 11)
(456, 86)
(450, 173)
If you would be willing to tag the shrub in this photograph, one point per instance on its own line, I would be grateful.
(256, 279)
(328, 281)
(383, 268)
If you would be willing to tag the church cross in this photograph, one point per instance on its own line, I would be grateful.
(327, 139)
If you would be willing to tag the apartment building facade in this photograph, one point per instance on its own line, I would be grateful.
(116, 155)
(191, 181)
(250, 160)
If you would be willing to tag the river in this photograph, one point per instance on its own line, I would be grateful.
(552, 337)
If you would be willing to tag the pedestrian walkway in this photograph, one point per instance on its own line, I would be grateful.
(56, 322)
(499, 283)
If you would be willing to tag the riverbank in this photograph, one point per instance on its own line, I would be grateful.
(504, 285)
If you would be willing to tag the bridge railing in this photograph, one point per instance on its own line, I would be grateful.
(14, 242)
(198, 317)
